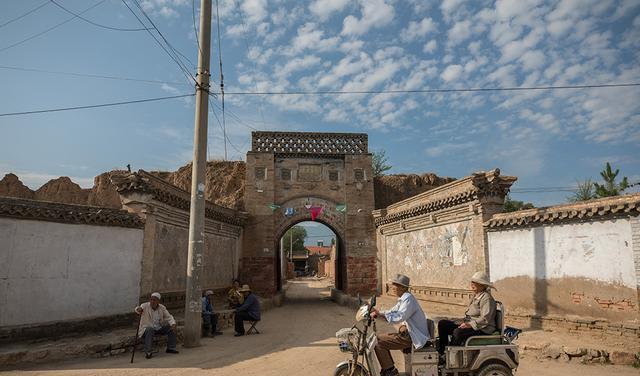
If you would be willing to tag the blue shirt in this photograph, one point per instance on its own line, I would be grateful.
(407, 311)
(251, 305)
(207, 307)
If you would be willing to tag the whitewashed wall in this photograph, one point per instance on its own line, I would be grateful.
(584, 269)
(601, 251)
(53, 271)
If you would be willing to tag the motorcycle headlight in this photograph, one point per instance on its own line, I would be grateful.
(361, 314)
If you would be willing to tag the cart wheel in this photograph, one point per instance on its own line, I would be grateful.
(343, 370)
(495, 370)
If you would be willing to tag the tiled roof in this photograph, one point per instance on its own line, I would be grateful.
(67, 213)
(314, 249)
(626, 205)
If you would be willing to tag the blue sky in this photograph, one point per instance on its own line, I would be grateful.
(546, 138)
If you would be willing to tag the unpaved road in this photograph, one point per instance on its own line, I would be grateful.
(296, 339)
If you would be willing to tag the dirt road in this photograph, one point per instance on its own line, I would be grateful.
(297, 339)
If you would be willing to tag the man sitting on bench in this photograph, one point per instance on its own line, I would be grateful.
(248, 311)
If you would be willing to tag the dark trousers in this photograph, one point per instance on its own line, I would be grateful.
(210, 323)
(150, 332)
(239, 319)
(448, 328)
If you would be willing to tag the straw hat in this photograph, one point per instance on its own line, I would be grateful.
(481, 278)
(400, 279)
(244, 288)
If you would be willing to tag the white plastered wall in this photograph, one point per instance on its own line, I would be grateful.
(54, 271)
(601, 251)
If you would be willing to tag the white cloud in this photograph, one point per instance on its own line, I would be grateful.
(449, 6)
(375, 14)
(532, 60)
(451, 72)
(255, 10)
(416, 30)
(310, 37)
(298, 64)
(460, 31)
(325, 8)
(430, 46)
(449, 147)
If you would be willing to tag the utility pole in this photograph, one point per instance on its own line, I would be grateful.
(193, 303)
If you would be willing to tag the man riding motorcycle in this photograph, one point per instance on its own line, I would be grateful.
(413, 325)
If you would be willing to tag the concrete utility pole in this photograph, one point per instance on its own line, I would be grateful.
(193, 303)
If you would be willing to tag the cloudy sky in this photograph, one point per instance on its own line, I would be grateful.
(546, 138)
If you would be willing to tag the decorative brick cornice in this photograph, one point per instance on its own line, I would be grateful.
(627, 205)
(67, 213)
(309, 143)
(142, 182)
(467, 190)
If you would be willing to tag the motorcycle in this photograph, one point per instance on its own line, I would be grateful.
(359, 340)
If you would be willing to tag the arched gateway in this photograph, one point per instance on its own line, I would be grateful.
(294, 177)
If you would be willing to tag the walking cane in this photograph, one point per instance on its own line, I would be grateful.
(135, 340)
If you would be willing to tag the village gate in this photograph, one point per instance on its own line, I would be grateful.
(296, 176)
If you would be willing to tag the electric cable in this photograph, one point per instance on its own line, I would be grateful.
(24, 15)
(224, 122)
(434, 90)
(96, 105)
(94, 23)
(184, 71)
(51, 28)
(92, 75)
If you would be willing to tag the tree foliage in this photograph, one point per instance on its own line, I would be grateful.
(295, 235)
(379, 163)
(515, 205)
(610, 187)
(585, 191)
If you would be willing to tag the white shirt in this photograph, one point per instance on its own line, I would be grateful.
(155, 319)
(407, 311)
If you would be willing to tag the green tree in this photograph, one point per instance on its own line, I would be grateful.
(585, 191)
(610, 188)
(295, 235)
(515, 205)
(379, 163)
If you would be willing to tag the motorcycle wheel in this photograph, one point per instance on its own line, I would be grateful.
(343, 370)
(495, 370)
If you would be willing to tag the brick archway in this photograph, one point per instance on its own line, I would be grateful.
(288, 170)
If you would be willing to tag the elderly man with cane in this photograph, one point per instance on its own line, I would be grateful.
(155, 319)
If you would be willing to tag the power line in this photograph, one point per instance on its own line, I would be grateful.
(224, 122)
(175, 59)
(92, 75)
(51, 28)
(96, 105)
(166, 41)
(94, 23)
(435, 90)
(24, 15)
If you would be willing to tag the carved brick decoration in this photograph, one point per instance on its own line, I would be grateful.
(309, 143)
(358, 174)
(160, 190)
(260, 173)
(285, 174)
(67, 213)
(334, 176)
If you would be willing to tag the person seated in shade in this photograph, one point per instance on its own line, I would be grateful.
(480, 317)
(209, 317)
(234, 297)
(248, 311)
(413, 329)
(156, 319)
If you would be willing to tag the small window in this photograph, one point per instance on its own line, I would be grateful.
(333, 175)
(285, 174)
(358, 174)
(260, 173)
